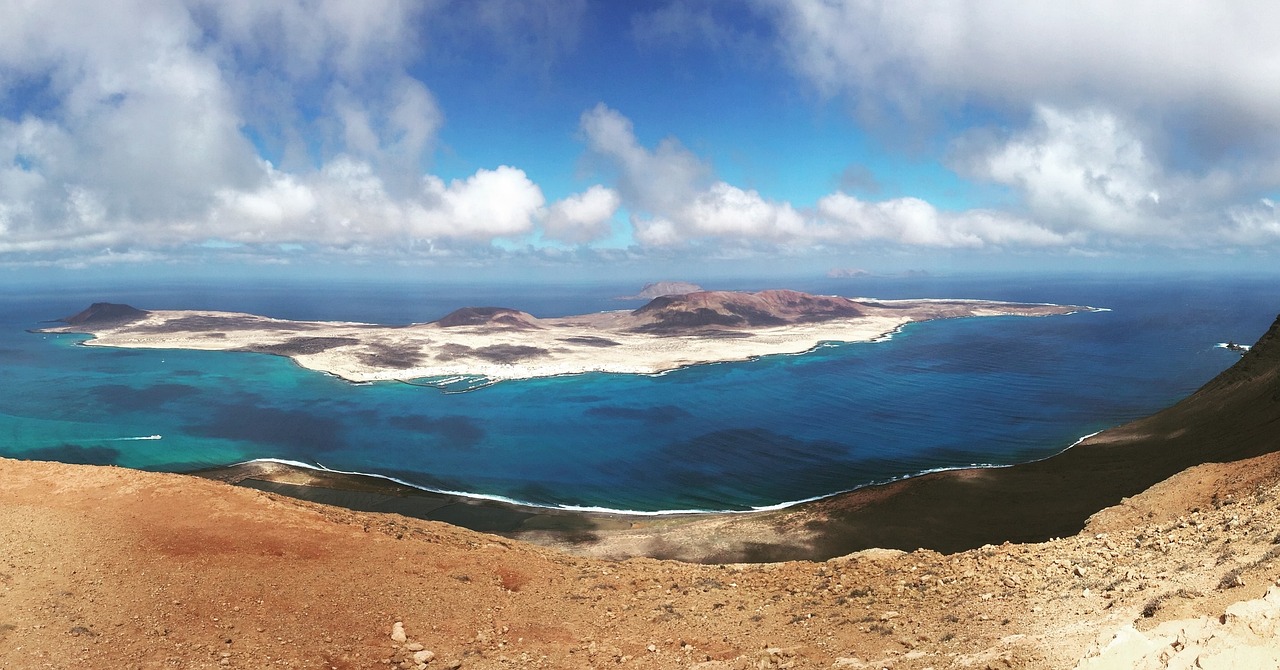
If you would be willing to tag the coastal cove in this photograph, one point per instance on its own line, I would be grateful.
(730, 436)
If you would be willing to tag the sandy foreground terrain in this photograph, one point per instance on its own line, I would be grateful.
(498, 343)
(111, 568)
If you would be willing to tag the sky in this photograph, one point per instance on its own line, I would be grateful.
(597, 136)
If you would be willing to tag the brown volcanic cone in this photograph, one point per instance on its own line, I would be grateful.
(704, 309)
(101, 313)
(489, 316)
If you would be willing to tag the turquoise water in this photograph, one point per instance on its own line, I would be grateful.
(724, 436)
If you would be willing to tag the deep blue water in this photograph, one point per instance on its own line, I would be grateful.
(724, 436)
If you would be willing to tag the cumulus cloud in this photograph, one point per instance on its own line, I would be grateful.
(672, 192)
(347, 204)
(1125, 122)
(1254, 223)
(661, 179)
(1131, 55)
(583, 217)
(912, 221)
(1085, 169)
(142, 137)
(675, 201)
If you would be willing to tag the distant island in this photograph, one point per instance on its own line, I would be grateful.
(497, 343)
(661, 288)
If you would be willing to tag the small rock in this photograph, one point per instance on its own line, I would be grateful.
(423, 655)
(397, 632)
(414, 646)
(1079, 570)
(652, 647)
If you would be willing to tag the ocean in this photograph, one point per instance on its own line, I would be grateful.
(730, 436)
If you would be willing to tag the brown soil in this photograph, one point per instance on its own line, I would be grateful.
(105, 567)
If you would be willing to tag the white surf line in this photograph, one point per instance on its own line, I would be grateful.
(130, 439)
(667, 512)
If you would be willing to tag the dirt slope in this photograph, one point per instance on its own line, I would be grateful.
(104, 567)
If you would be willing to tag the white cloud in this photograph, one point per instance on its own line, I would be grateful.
(673, 193)
(583, 217)
(142, 144)
(1083, 169)
(1144, 123)
(488, 204)
(912, 221)
(1130, 55)
(1254, 223)
(674, 201)
(347, 204)
(660, 180)
(724, 210)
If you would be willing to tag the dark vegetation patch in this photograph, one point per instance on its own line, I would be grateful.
(205, 323)
(456, 431)
(301, 345)
(590, 341)
(507, 353)
(452, 351)
(384, 355)
(724, 334)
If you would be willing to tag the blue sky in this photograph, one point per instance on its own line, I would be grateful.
(589, 136)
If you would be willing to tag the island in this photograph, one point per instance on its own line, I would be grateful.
(498, 343)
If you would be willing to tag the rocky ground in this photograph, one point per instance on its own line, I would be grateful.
(110, 568)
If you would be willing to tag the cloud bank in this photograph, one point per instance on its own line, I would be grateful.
(134, 130)
(150, 124)
(1118, 123)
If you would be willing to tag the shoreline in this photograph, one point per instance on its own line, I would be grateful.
(577, 528)
(337, 475)
(498, 344)
(1230, 418)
